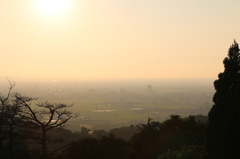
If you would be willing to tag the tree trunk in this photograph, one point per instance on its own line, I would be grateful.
(44, 143)
(11, 141)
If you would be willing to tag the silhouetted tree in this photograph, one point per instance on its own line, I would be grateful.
(145, 142)
(223, 133)
(4, 103)
(39, 122)
(12, 140)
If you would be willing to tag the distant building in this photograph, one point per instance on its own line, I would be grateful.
(149, 87)
(123, 91)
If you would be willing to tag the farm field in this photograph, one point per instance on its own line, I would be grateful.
(98, 113)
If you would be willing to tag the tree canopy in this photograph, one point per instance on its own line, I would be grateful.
(224, 117)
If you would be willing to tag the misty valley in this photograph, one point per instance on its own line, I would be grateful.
(110, 104)
(112, 118)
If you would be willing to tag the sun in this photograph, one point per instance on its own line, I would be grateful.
(53, 7)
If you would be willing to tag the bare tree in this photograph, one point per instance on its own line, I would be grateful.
(18, 121)
(12, 140)
(5, 103)
(39, 122)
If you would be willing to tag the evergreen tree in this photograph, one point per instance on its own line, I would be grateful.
(223, 133)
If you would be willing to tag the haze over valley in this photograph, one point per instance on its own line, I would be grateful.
(106, 104)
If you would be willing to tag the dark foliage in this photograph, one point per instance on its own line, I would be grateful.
(186, 152)
(151, 140)
(125, 132)
(107, 147)
(156, 138)
(223, 133)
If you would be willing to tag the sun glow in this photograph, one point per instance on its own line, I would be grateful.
(53, 7)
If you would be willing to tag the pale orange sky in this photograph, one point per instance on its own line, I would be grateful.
(117, 38)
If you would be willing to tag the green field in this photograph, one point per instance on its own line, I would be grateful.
(98, 112)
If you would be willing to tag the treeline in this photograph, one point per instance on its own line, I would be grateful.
(153, 140)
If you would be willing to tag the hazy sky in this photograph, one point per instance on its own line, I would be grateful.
(77, 39)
